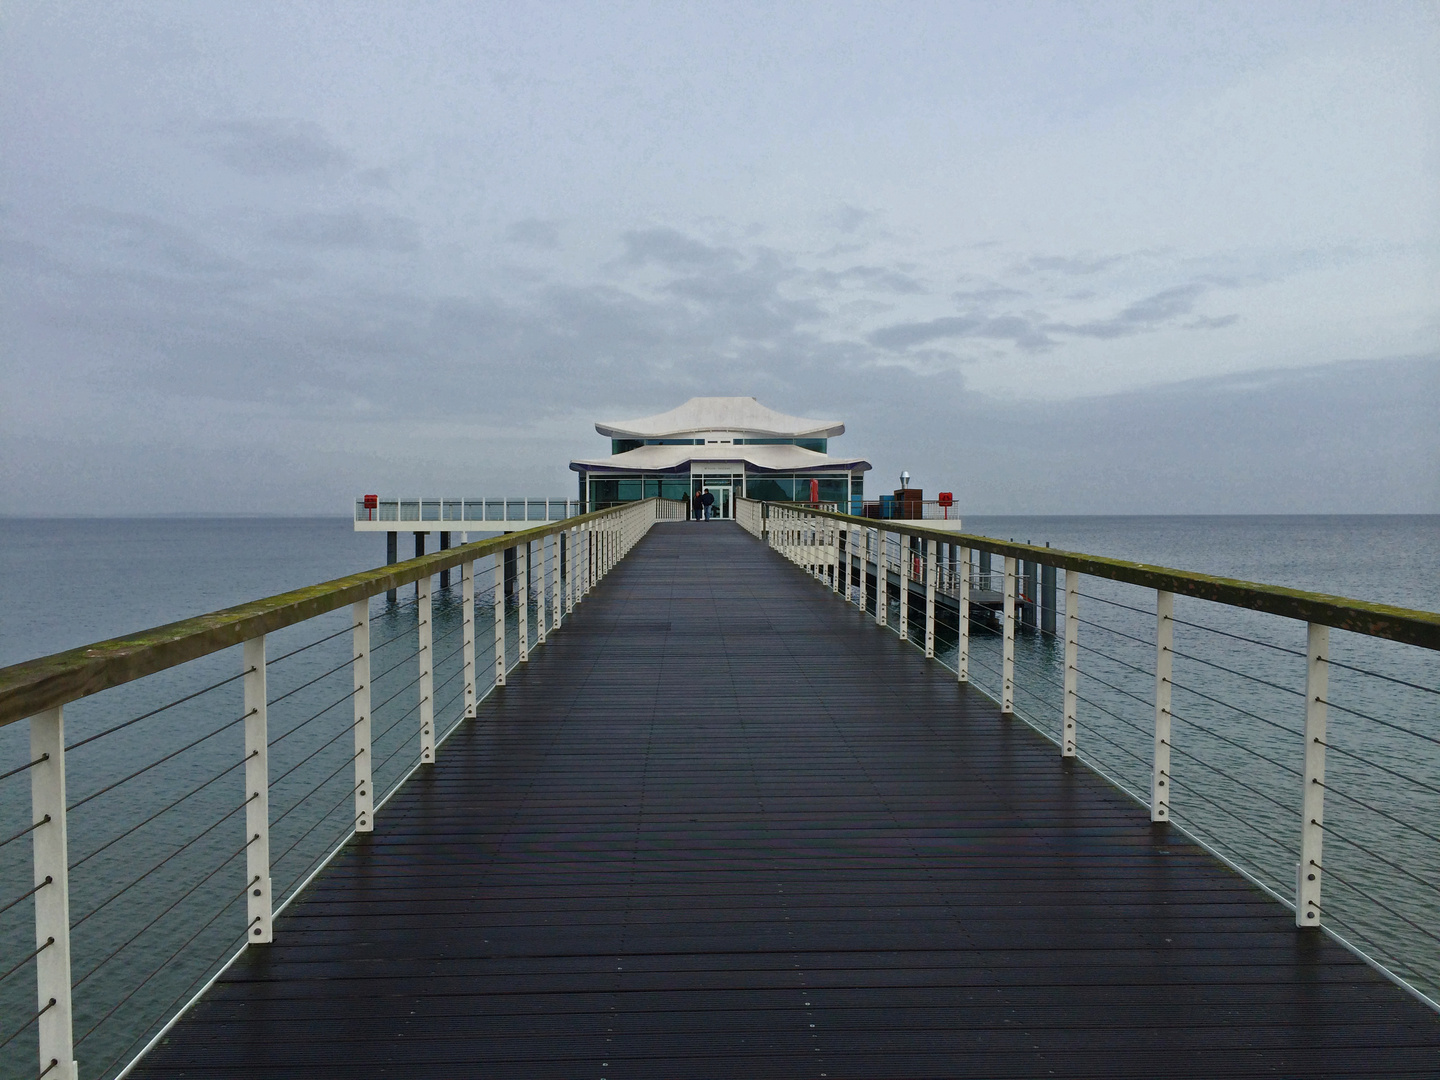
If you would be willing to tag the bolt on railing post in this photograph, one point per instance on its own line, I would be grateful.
(570, 536)
(427, 671)
(1160, 781)
(905, 564)
(257, 796)
(1308, 872)
(882, 578)
(467, 625)
(962, 647)
(360, 643)
(52, 899)
(557, 598)
(499, 618)
(540, 599)
(522, 598)
(1072, 661)
(1007, 694)
(930, 566)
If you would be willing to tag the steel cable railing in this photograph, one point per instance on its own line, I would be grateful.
(148, 893)
(1239, 726)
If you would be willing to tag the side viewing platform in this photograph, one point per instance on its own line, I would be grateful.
(727, 821)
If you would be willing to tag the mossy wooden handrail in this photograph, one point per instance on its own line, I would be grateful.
(1405, 625)
(34, 685)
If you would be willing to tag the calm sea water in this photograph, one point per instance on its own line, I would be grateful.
(65, 583)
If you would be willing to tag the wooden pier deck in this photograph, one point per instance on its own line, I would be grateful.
(721, 825)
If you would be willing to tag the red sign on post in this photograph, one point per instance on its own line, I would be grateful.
(371, 502)
(947, 498)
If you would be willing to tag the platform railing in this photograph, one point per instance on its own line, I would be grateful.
(468, 511)
(185, 783)
(1294, 734)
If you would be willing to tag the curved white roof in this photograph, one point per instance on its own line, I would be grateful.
(676, 458)
(742, 415)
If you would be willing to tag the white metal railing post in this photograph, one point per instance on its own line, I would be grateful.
(557, 590)
(522, 598)
(427, 671)
(257, 796)
(52, 897)
(364, 792)
(962, 646)
(882, 578)
(467, 630)
(500, 618)
(541, 600)
(1309, 870)
(905, 563)
(1072, 661)
(1007, 678)
(835, 577)
(930, 567)
(571, 534)
(1160, 784)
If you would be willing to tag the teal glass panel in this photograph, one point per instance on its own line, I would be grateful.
(834, 489)
(673, 488)
(652, 487)
(621, 446)
(629, 489)
(768, 488)
(603, 492)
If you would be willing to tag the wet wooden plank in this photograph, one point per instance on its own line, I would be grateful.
(722, 825)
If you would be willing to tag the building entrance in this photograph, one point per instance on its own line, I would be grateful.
(722, 507)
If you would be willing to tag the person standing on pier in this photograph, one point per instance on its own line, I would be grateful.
(707, 500)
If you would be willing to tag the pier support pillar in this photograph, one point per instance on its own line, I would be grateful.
(1027, 609)
(392, 556)
(509, 572)
(444, 574)
(419, 550)
(1047, 600)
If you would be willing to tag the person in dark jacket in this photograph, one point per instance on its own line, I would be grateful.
(685, 502)
(707, 500)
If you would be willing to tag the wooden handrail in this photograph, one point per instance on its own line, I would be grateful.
(1406, 625)
(32, 686)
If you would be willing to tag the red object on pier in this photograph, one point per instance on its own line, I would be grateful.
(947, 498)
(814, 490)
(371, 502)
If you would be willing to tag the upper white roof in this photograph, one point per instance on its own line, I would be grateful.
(766, 458)
(743, 416)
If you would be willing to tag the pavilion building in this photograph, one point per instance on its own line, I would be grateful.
(730, 446)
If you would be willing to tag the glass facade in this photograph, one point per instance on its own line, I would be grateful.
(777, 488)
(834, 488)
(616, 489)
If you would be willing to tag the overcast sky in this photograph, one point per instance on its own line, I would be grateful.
(1060, 258)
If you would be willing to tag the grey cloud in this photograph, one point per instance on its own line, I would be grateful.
(534, 232)
(272, 147)
(1146, 314)
(987, 295)
(145, 246)
(672, 248)
(1208, 323)
(848, 218)
(870, 277)
(349, 229)
(1017, 329)
(1073, 265)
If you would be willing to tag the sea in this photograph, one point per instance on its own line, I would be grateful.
(156, 888)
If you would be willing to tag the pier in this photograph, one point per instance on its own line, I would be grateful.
(725, 821)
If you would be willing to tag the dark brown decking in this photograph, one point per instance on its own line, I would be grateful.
(721, 825)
